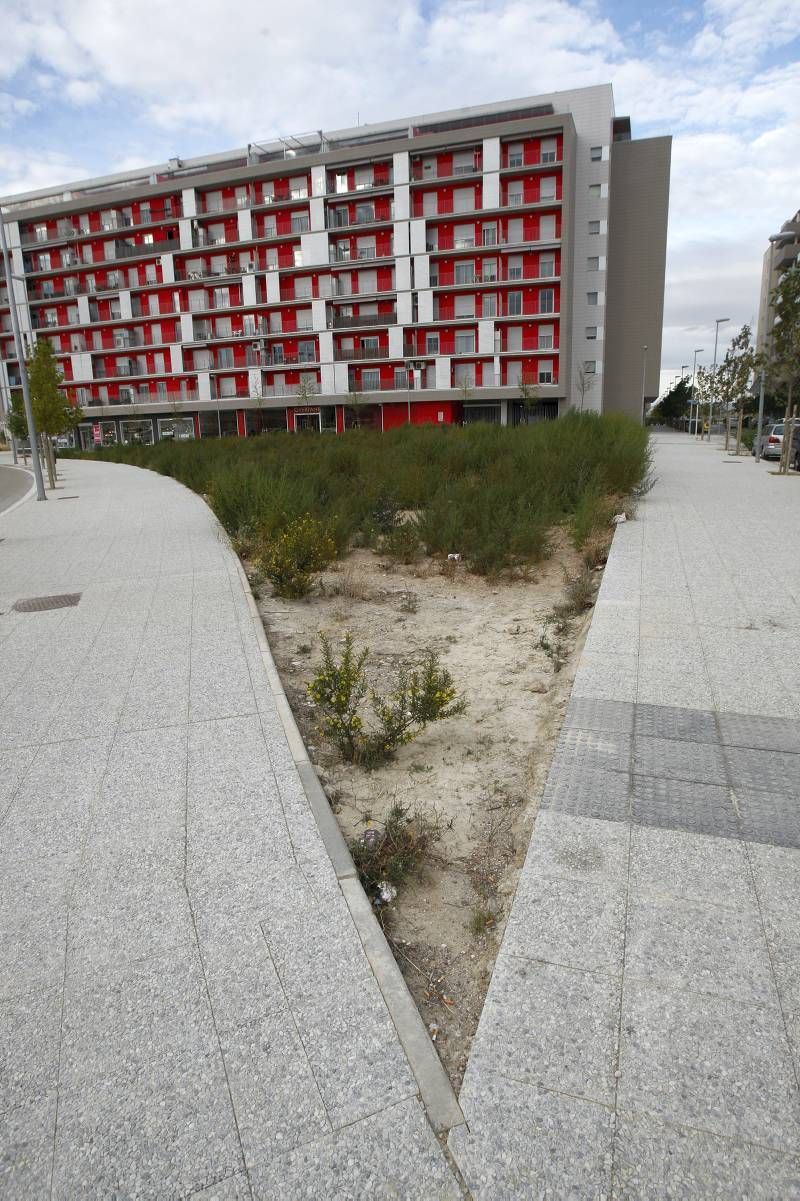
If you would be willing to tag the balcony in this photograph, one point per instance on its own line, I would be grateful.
(342, 321)
(225, 204)
(340, 219)
(392, 385)
(284, 194)
(116, 369)
(125, 251)
(381, 178)
(67, 232)
(419, 173)
(361, 352)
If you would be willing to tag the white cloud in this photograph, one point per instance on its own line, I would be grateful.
(229, 74)
(29, 170)
(12, 107)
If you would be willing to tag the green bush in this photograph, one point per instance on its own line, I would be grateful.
(402, 543)
(290, 559)
(386, 858)
(490, 493)
(420, 696)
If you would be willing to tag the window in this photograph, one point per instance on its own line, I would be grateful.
(465, 343)
(591, 333)
(546, 300)
(463, 237)
(300, 223)
(464, 200)
(593, 263)
(489, 305)
(596, 154)
(225, 356)
(363, 178)
(400, 377)
(515, 193)
(515, 266)
(515, 230)
(465, 306)
(547, 227)
(223, 327)
(430, 204)
(489, 271)
(154, 305)
(545, 372)
(515, 154)
(591, 298)
(514, 337)
(227, 387)
(366, 248)
(222, 298)
(370, 345)
(307, 351)
(590, 367)
(464, 373)
(514, 304)
(431, 343)
(545, 337)
(40, 233)
(465, 273)
(298, 187)
(371, 380)
(367, 281)
(489, 235)
(594, 227)
(341, 182)
(365, 213)
(464, 162)
(549, 149)
(547, 265)
(595, 191)
(547, 187)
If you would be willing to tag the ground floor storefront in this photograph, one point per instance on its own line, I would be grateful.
(135, 427)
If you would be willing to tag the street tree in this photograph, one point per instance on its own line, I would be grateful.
(585, 380)
(734, 377)
(784, 349)
(673, 406)
(52, 412)
(529, 397)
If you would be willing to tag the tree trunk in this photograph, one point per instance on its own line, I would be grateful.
(48, 456)
(786, 449)
(739, 429)
(728, 430)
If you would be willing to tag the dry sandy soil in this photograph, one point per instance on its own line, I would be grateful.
(482, 772)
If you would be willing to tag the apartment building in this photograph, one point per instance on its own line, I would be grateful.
(782, 253)
(499, 263)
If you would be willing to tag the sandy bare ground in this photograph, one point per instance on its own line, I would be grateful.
(482, 772)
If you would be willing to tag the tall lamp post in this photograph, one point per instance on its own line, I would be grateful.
(691, 394)
(23, 369)
(644, 372)
(684, 369)
(720, 321)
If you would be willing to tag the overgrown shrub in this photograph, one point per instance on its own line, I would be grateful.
(489, 493)
(402, 544)
(290, 559)
(421, 695)
(389, 856)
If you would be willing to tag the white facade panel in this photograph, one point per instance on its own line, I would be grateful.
(486, 337)
(203, 385)
(125, 307)
(400, 166)
(404, 308)
(273, 287)
(491, 190)
(422, 271)
(168, 268)
(314, 249)
(249, 289)
(425, 304)
(418, 235)
(340, 379)
(176, 358)
(402, 274)
(326, 346)
(319, 180)
(327, 379)
(12, 234)
(82, 366)
(187, 327)
(185, 233)
(254, 381)
(245, 221)
(443, 371)
(401, 240)
(319, 314)
(491, 154)
(189, 200)
(402, 202)
(396, 335)
(83, 310)
(317, 208)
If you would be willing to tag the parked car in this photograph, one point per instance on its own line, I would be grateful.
(772, 442)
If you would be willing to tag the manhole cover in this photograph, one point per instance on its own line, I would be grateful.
(38, 604)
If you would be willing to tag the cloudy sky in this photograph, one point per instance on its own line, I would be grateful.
(93, 86)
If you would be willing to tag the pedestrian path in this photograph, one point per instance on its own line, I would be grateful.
(186, 1006)
(641, 1034)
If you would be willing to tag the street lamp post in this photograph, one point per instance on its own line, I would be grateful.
(23, 368)
(774, 239)
(720, 321)
(691, 394)
(644, 371)
(685, 368)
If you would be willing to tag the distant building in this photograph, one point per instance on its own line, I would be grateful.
(781, 254)
(428, 264)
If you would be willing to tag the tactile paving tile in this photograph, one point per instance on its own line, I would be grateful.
(666, 721)
(587, 713)
(683, 805)
(669, 758)
(768, 771)
(589, 792)
(768, 817)
(594, 748)
(762, 733)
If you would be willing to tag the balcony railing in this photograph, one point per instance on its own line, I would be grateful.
(381, 178)
(284, 194)
(362, 352)
(225, 204)
(110, 371)
(341, 219)
(184, 275)
(391, 385)
(66, 232)
(342, 321)
(418, 173)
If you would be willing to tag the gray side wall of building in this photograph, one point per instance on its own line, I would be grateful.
(638, 210)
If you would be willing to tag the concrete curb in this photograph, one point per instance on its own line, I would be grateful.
(436, 1092)
(31, 491)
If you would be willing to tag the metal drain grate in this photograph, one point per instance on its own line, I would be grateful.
(68, 498)
(38, 604)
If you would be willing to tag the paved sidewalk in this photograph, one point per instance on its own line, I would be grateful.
(185, 1004)
(14, 483)
(641, 1035)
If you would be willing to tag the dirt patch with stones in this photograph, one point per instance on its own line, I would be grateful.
(481, 773)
